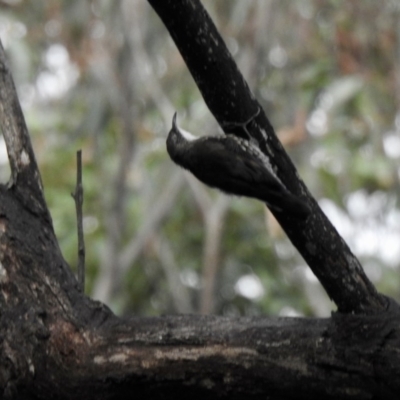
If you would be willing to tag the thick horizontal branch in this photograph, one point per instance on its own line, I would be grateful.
(242, 358)
(227, 95)
(215, 357)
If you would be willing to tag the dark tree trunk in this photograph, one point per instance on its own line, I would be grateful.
(57, 343)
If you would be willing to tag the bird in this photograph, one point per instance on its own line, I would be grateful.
(235, 166)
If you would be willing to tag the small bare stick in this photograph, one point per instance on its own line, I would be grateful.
(78, 197)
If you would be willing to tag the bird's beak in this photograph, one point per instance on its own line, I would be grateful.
(174, 126)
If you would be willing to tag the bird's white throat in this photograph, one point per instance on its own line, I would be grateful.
(187, 135)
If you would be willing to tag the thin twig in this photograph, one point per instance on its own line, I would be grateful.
(78, 197)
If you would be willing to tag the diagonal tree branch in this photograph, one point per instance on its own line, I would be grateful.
(25, 175)
(230, 100)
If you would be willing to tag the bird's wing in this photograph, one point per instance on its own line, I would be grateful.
(252, 170)
(229, 167)
(221, 156)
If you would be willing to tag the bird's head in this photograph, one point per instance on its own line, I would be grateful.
(178, 140)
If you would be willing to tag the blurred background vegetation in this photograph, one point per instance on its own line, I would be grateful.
(106, 77)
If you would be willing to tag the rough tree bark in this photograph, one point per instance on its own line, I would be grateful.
(57, 343)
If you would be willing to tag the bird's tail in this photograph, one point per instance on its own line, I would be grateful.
(288, 204)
